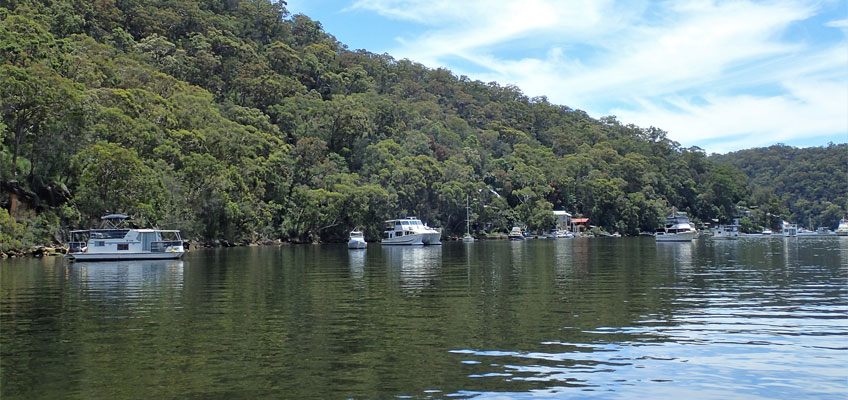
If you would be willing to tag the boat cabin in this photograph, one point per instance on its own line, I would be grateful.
(402, 227)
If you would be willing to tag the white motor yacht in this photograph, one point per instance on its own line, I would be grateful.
(516, 234)
(113, 242)
(677, 229)
(842, 229)
(356, 240)
(410, 231)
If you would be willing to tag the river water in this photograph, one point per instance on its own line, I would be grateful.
(571, 318)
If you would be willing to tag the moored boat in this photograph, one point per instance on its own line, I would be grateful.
(516, 234)
(113, 241)
(356, 240)
(789, 230)
(726, 232)
(467, 238)
(410, 231)
(559, 234)
(842, 229)
(677, 228)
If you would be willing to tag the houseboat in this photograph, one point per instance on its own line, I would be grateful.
(789, 230)
(114, 241)
(726, 232)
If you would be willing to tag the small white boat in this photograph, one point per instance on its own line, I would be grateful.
(677, 229)
(516, 234)
(410, 231)
(356, 240)
(726, 232)
(114, 242)
(842, 229)
(767, 232)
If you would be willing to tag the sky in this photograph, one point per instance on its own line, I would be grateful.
(720, 75)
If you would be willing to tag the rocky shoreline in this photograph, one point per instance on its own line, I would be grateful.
(58, 250)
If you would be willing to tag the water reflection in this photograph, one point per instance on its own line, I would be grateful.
(413, 266)
(624, 318)
(126, 278)
(678, 254)
(356, 259)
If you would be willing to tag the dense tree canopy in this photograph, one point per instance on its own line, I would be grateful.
(235, 120)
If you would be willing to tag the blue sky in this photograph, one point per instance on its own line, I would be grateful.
(721, 75)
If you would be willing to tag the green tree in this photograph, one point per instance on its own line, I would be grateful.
(30, 98)
(114, 179)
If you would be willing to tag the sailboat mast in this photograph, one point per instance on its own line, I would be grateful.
(467, 220)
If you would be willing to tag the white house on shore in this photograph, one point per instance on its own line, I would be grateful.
(563, 220)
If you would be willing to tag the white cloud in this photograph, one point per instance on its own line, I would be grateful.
(694, 68)
(726, 123)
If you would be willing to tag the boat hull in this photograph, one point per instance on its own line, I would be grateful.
(406, 240)
(676, 237)
(356, 244)
(432, 238)
(718, 237)
(124, 256)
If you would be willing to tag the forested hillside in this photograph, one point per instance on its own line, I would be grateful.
(808, 185)
(234, 120)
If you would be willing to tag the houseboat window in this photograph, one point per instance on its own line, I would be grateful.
(123, 246)
(99, 243)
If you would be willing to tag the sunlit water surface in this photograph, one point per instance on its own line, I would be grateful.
(585, 318)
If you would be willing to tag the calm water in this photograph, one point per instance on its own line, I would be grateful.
(600, 318)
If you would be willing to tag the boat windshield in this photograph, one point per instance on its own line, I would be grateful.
(109, 233)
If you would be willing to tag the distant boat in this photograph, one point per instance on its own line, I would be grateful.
(467, 238)
(115, 241)
(516, 234)
(842, 229)
(789, 230)
(677, 228)
(409, 231)
(356, 240)
(766, 232)
(726, 232)
(559, 234)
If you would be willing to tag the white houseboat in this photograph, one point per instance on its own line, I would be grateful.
(409, 231)
(677, 229)
(114, 242)
(726, 232)
(789, 230)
